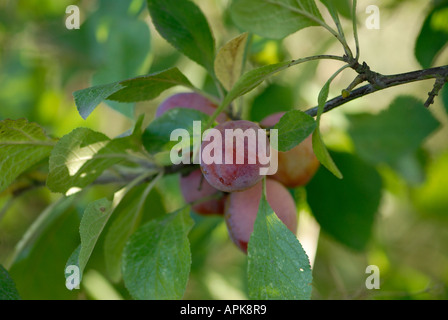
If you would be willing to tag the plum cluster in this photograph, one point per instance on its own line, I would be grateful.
(234, 190)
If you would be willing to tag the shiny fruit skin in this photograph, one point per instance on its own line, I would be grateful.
(242, 208)
(297, 166)
(233, 177)
(190, 100)
(194, 187)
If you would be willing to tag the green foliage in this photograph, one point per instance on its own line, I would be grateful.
(433, 35)
(274, 98)
(122, 229)
(128, 215)
(278, 267)
(346, 208)
(22, 145)
(157, 136)
(343, 7)
(131, 90)
(381, 138)
(201, 237)
(113, 43)
(229, 61)
(81, 156)
(127, 47)
(8, 289)
(157, 259)
(253, 78)
(294, 127)
(274, 19)
(92, 224)
(184, 25)
(332, 9)
(41, 225)
(39, 269)
(445, 97)
(430, 197)
(319, 147)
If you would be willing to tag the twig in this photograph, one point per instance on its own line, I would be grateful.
(438, 85)
(380, 82)
(355, 29)
(183, 169)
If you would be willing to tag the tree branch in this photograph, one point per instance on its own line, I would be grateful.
(378, 82)
(438, 85)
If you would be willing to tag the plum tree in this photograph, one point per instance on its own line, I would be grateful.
(190, 100)
(236, 159)
(194, 188)
(297, 166)
(241, 210)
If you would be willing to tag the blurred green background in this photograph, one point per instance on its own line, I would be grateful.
(42, 63)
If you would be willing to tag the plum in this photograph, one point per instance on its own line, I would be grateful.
(190, 100)
(242, 207)
(234, 164)
(194, 187)
(297, 166)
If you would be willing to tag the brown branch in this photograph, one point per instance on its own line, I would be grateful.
(438, 85)
(378, 82)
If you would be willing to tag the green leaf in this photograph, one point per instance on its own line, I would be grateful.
(120, 8)
(127, 47)
(251, 79)
(150, 86)
(163, 158)
(445, 97)
(128, 215)
(319, 148)
(411, 168)
(393, 133)
(201, 238)
(114, 42)
(332, 10)
(92, 224)
(322, 154)
(183, 24)
(137, 89)
(81, 156)
(294, 127)
(322, 99)
(346, 208)
(8, 290)
(274, 98)
(22, 144)
(170, 192)
(430, 198)
(341, 6)
(229, 61)
(157, 259)
(156, 137)
(433, 36)
(278, 267)
(40, 225)
(42, 263)
(274, 19)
